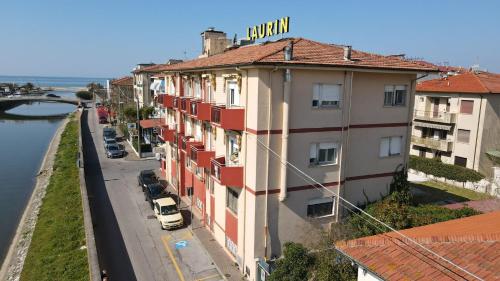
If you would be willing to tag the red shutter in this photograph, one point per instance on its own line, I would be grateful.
(466, 106)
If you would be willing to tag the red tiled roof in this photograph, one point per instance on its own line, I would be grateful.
(305, 52)
(151, 123)
(483, 206)
(468, 82)
(123, 81)
(472, 243)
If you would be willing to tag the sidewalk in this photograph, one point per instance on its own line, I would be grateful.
(223, 262)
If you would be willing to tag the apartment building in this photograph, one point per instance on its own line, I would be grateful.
(142, 81)
(233, 117)
(457, 119)
(122, 90)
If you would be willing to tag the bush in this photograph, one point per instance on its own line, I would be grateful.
(439, 169)
(295, 264)
(84, 95)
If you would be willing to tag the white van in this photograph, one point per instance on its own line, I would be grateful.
(167, 213)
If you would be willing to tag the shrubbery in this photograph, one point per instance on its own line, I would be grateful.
(439, 169)
(84, 95)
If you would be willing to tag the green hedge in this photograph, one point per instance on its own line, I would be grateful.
(439, 169)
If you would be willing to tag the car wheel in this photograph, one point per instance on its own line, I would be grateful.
(161, 226)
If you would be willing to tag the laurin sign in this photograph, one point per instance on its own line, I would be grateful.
(269, 28)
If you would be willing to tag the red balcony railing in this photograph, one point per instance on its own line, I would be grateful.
(190, 143)
(200, 156)
(228, 118)
(203, 111)
(183, 140)
(167, 134)
(228, 175)
(168, 101)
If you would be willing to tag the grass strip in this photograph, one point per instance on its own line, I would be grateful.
(56, 251)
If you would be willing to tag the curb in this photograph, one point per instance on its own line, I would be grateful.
(94, 270)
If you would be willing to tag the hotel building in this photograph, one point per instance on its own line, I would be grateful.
(233, 118)
(457, 119)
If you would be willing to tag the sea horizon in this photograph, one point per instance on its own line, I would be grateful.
(52, 81)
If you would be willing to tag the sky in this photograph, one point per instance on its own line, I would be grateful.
(95, 38)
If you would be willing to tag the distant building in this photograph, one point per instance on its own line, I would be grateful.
(122, 90)
(472, 243)
(457, 119)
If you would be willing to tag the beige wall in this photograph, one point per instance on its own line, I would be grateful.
(490, 134)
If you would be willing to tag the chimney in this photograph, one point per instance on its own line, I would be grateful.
(213, 42)
(347, 52)
(289, 51)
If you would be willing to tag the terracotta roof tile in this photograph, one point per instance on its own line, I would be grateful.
(123, 81)
(472, 243)
(305, 52)
(468, 82)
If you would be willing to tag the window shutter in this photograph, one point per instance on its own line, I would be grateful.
(396, 145)
(313, 153)
(331, 93)
(463, 135)
(384, 147)
(316, 91)
(466, 106)
(388, 95)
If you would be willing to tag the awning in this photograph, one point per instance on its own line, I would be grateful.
(151, 123)
(432, 125)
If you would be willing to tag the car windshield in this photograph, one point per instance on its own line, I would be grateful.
(113, 147)
(155, 190)
(149, 177)
(169, 210)
(110, 142)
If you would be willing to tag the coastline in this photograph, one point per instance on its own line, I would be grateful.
(14, 260)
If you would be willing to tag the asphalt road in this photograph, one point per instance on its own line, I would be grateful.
(130, 243)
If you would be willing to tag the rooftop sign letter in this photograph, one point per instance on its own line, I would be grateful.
(269, 28)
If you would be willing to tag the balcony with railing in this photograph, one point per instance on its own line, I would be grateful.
(201, 156)
(432, 143)
(203, 110)
(226, 173)
(435, 116)
(167, 133)
(232, 118)
(168, 101)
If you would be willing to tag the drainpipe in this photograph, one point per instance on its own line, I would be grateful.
(477, 133)
(287, 91)
(269, 121)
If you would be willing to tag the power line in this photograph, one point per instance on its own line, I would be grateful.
(312, 180)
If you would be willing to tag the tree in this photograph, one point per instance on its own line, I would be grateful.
(146, 112)
(84, 95)
(130, 113)
(295, 264)
(29, 86)
(94, 87)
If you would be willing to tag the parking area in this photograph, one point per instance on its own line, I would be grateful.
(130, 242)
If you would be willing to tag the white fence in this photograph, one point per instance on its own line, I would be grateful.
(484, 186)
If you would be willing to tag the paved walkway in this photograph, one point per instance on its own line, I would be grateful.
(224, 263)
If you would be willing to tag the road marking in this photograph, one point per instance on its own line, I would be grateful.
(208, 277)
(165, 239)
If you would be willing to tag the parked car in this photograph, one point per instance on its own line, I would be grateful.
(108, 133)
(147, 177)
(167, 213)
(114, 150)
(109, 141)
(154, 191)
(52, 96)
(103, 120)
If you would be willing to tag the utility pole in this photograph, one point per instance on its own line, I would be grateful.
(138, 129)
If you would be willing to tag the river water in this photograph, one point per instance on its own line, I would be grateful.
(23, 143)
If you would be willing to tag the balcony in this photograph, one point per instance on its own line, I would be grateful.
(200, 156)
(226, 174)
(435, 116)
(189, 144)
(168, 101)
(232, 118)
(167, 134)
(438, 144)
(203, 111)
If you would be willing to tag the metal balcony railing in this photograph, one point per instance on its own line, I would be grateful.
(435, 116)
(438, 144)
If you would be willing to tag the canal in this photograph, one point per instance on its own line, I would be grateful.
(23, 143)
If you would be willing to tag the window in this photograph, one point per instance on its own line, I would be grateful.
(466, 106)
(187, 88)
(232, 200)
(171, 86)
(233, 148)
(460, 161)
(395, 95)
(323, 153)
(234, 93)
(189, 128)
(390, 146)
(321, 207)
(208, 92)
(197, 89)
(197, 131)
(326, 95)
(463, 135)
